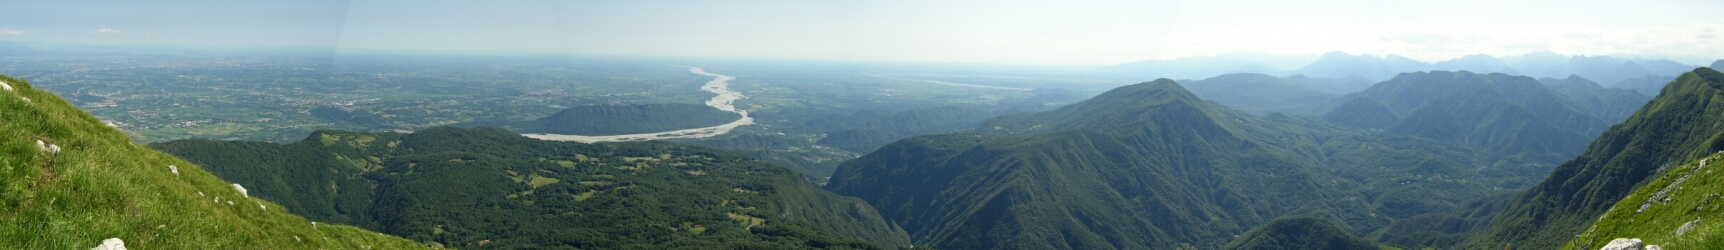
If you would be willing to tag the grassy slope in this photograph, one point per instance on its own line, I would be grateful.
(102, 185)
(1696, 198)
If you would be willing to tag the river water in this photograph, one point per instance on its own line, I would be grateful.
(720, 85)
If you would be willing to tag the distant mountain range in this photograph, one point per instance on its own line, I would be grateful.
(1607, 70)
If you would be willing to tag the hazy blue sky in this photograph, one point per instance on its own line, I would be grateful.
(1037, 32)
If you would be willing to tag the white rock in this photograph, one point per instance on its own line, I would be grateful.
(260, 206)
(1687, 227)
(200, 194)
(176, 171)
(1654, 247)
(5, 86)
(47, 147)
(1624, 244)
(111, 244)
(26, 99)
(230, 203)
(241, 189)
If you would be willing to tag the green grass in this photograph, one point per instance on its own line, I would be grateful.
(540, 181)
(1700, 197)
(103, 185)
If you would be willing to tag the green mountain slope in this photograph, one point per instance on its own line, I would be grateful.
(627, 119)
(1299, 233)
(1167, 174)
(490, 188)
(1151, 166)
(1515, 115)
(1262, 94)
(1678, 210)
(864, 131)
(1612, 105)
(101, 185)
(1363, 112)
(1684, 123)
(1645, 85)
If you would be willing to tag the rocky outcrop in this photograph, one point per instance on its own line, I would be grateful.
(1629, 244)
(241, 189)
(111, 244)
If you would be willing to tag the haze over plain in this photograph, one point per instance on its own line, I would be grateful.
(1016, 32)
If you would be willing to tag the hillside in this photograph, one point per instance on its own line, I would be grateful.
(1611, 104)
(1515, 115)
(1263, 94)
(626, 119)
(1678, 210)
(1066, 188)
(1151, 166)
(102, 185)
(1645, 85)
(864, 131)
(490, 188)
(1299, 233)
(1682, 124)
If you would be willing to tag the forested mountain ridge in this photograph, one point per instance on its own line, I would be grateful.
(70, 181)
(1611, 104)
(1263, 94)
(491, 188)
(1151, 166)
(1683, 123)
(1516, 115)
(1121, 182)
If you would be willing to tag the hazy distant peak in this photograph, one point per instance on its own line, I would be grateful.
(1335, 54)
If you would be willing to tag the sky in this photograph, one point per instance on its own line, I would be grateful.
(1075, 32)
